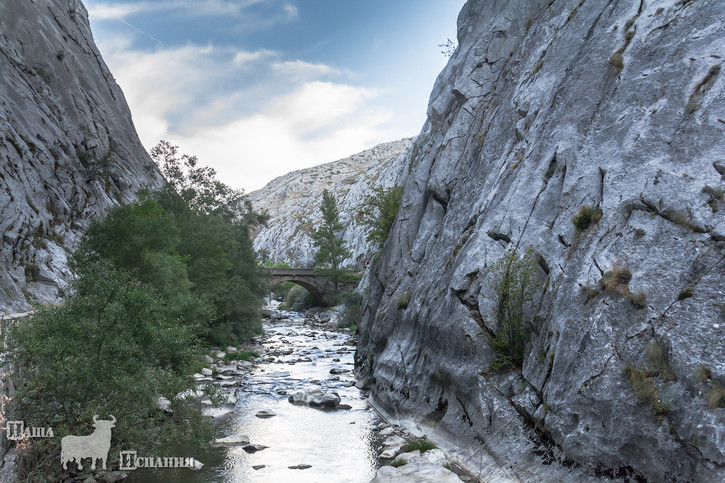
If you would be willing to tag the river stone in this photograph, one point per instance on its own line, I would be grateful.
(387, 431)
(337, 370)
(253, 448)
(208, 359)
(300, 467)
(206, 371)
(265, 413)
(327, 399)
(232, 350)
(232, 398)
(232, 440)
(258, 467)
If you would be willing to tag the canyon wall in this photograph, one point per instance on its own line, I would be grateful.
(547, 108)
(68, 147)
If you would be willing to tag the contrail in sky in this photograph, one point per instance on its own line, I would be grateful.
(139, 30)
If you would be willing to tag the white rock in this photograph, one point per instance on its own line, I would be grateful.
(232, 440)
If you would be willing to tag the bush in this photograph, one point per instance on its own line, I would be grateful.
(109, 350)
(513, 288)
(586, 217)
(617, 60)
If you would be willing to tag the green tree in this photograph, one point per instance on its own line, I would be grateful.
(378, 212)
(214, 221)
(331, 251)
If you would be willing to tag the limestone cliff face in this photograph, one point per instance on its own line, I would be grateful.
(293, 202)
(68, 147)
(548, 106)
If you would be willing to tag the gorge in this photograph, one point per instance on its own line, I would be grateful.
(589, 134)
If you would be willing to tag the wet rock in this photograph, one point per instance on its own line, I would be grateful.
(258, 467)
(232, 440)
(253, 448)
(299, 467)
(339, 370)
(327, 399)
(276, 374)
(336, 359)
(265, 413)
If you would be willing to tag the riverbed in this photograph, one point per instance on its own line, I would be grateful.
(298, 443)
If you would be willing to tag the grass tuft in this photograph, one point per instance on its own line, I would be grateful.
(419, 444)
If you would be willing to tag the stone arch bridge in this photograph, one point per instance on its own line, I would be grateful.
(306, 277)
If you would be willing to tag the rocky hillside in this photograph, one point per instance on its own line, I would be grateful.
(293, 202)
(545, 108)
(68, 147)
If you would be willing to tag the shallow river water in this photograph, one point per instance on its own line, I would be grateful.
(338, 444)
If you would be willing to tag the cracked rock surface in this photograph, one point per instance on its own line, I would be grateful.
(68, 147)
(545, 108)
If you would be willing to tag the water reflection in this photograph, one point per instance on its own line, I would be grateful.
(337, 444)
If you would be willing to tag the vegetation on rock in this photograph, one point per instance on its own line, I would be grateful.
(378, 213)
(513, 287)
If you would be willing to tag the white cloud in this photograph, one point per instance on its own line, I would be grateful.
(100, 10)
(293, 115)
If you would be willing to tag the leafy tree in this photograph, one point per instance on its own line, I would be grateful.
(331, 247)
(378, 212)
(215, 221)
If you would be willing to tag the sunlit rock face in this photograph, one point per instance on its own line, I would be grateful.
(68, 147)
(293, 203)
(547, 107)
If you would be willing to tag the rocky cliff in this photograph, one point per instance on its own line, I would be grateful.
(546, 107)
(293, 202)
(68, 147)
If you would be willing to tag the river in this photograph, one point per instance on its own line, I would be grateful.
(330, 444)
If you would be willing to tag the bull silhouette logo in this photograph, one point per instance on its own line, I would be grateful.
(94, 446)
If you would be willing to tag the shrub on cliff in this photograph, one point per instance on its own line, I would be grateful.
(512, 287)
(378, 212)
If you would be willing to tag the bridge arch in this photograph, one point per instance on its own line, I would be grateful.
(305, 277)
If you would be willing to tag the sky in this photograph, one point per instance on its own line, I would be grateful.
(259, 88)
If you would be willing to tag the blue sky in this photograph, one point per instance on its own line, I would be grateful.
(258, 88)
